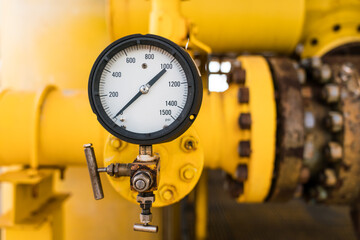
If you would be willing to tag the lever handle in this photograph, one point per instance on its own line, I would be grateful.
(93, 171)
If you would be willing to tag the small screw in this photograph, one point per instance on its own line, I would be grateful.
(144, 65)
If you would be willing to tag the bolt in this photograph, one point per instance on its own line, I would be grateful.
(115, 143)
(167, 193)
(333, 151)
(301, 75)
(346, 71)
(140, 184)
(322, 74)
(304, 175)
(330, 177)
(334, 121)
(188, 144)
(244, 149)
(187, 173)
(316, 62)
(241, 173)
(239, 75)
(322, 194)
(141, 181)
(245, 120)
(331, 93)
(235, 188)
(309, 120)
(243, 95)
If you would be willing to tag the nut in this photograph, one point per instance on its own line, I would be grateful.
(167, 193)
(239, 75)
(301, 75)
(245, 120)
(244, 149)
(335, 121)
(333, 151)
(187, 173)
(304, 175)
(141, 182)
(330, 177)
(115, 143)
(331, 93)
(145, 219)
(188, 144)
(241, 173)
(243, 95)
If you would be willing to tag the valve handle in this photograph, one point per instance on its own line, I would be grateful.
(93, 171)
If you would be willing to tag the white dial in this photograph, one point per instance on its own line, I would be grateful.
(143, 89)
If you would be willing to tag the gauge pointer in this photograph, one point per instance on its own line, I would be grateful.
(143, 90)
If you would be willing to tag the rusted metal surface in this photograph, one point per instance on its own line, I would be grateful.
(347, 169)
(290, 131)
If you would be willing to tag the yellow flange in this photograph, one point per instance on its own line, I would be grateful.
(262, 107)
(330, 24)
(181, 164)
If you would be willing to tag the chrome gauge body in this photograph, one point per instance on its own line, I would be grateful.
(145, 89)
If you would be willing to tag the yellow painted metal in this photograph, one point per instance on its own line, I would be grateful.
(50, 42)
(220, 133)
(66, 123)
(36, 210)
(166, 20)
(224, 26)
(262, 107)
(50, 230)
(180, 168)
(330, 24)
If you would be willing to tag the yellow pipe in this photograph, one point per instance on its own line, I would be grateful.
(226, 26)
(166, 20)
(66, 123)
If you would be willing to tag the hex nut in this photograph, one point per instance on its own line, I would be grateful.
(188, 144)
(243, 95)
(245, 120)
(145, 219)
(115, 143)
(244, 149)
(301, 74)
(304, 175)
(330, 177)
(141, 182)
(334, 121)
(239, 75)
(331, 93)
(187, 173)
(167, 193)
(333, 151)
(241, 173)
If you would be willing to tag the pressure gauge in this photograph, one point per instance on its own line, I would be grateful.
(145, 89)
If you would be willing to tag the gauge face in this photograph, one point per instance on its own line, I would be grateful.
(145, 89)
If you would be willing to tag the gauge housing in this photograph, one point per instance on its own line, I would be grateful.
(181, 123)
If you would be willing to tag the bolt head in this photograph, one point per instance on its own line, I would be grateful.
(167, 195)
(188, 144)
(187, 173)
(115, 143)
(140, 184)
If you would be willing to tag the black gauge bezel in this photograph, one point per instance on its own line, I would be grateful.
(193, 102)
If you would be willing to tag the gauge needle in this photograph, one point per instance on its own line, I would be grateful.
(143, 90)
